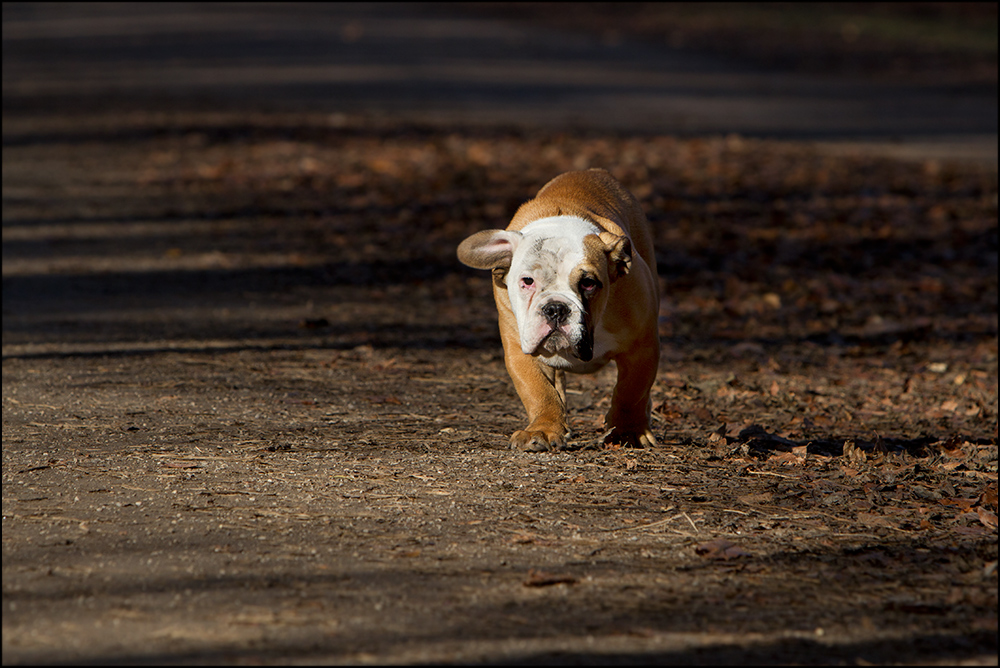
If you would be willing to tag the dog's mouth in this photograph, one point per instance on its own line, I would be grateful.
(555, 342)
(559, 342)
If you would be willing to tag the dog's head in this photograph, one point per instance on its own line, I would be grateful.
(557, 272)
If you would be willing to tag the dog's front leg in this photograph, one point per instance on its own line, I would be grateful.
(628, 418)
(542, 390)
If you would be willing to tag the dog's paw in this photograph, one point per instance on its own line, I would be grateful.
(630, 438)
(538, 440)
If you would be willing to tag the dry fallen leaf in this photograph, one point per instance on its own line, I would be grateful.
(720, 548)
(757, 498)
(987, 517)
(786, 458)
(387, 399)
(179, 465)
(854, 455)
(989, 497)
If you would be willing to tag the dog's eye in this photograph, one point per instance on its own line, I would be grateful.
(588, 284)
(527, 282)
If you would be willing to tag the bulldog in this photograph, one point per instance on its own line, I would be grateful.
(574, 279)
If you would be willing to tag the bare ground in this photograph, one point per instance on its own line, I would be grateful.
(254, 409)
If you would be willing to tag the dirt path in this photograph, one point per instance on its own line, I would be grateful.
(255, 411)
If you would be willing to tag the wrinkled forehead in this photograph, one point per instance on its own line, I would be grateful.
(554, 244)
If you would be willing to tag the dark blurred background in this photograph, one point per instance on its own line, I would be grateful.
(918, 76)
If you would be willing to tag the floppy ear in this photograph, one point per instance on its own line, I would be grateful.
(619, 250)
(489, 249)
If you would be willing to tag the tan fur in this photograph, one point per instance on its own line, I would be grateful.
(627, 307)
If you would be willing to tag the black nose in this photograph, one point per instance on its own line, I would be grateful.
(555, 312)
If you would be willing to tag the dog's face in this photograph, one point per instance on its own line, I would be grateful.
(558, 272)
